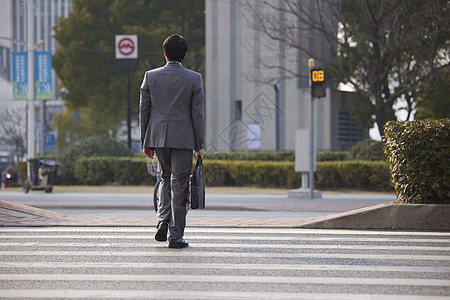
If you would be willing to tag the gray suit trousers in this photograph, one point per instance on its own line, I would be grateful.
(176, 166)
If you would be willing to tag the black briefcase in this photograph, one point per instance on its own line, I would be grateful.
(198, 186)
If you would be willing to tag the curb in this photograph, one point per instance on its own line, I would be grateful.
(389, 216)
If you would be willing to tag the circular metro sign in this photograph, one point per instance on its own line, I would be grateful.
(126, 46)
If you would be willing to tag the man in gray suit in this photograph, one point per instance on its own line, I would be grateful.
(172, 125)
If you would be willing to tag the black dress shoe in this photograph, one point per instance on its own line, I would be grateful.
(161, 232)
(178, 243)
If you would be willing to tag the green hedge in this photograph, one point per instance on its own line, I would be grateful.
(367, 150)
(275, 155)
(419, 157)
(250, 173)
(119, 170)
(362, 175)
(89, 147)
(253, 155)
(332, 155)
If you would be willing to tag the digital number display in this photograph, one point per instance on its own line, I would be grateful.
(318, 89)
(317, 75)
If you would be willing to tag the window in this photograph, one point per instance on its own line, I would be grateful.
(349, 131)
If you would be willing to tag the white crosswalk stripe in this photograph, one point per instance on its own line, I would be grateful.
(223, 263)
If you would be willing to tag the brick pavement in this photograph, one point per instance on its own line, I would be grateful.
(12, 214)
(24, 211)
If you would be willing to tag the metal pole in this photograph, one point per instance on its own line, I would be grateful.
(129, 107)
(311, 138)
(311, 150)
(277, 118)
(41, 127)
(31, 150)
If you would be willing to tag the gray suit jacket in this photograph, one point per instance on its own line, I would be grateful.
(172, 109)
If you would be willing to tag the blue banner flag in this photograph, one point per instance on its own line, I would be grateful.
(43, 75)
(49, 140)
(20, 75)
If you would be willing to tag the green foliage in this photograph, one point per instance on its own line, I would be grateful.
(93, 146)
(22, 170)
(435, 99)
(368, 150)
(250, 155)
(94, 170)
(419, 157)
(332, 155)
(118, 170)
(128, 171)
(85, 59)
(360, 175)
(363, 175)
(275, 155)
(382, 42)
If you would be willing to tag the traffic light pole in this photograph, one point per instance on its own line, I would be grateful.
(311, 137)
(311, 149)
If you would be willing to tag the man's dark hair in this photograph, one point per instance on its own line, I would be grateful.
(175, 47)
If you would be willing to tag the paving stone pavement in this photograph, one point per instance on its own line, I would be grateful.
(22, 214)
(12, 214)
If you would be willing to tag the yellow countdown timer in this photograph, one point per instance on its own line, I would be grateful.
(317, 75)
(318, 89)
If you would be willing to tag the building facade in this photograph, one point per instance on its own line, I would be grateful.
(13, 38)
(252, 107)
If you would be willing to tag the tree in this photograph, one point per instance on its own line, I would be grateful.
(12, 129)
(85, 58)
(385, 49)
(434, 102)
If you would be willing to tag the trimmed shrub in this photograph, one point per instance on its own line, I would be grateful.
(250, 173)
(216, 172)
(118, 170)
(363, 175)
(253, 155)
(367, 150)
(94, 170)
(90, 147)
(419, 158)
(332, 155)
(276, 155)
(128, 171)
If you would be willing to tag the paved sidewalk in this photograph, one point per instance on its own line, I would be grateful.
(12, 214)
(24, 210)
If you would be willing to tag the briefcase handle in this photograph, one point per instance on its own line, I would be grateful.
(198, 165)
